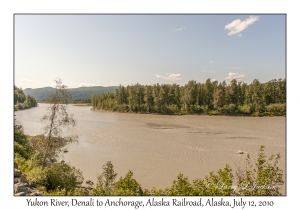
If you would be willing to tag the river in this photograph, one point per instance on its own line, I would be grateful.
(159, 147)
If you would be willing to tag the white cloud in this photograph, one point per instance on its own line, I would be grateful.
(236, 76)
(203, 71)
(210, 61)
(213, 72)
(170, 76)
(214, 80)
(83, 84)
(237, 25)
(180, 29)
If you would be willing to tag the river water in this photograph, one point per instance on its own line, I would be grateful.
(159, 147)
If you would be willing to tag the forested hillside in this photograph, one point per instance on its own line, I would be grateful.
(196, 98)
(77, 93)
(21, 101)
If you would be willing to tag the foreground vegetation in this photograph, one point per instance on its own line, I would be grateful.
(38, 155)
(236, 98)
(21, 101)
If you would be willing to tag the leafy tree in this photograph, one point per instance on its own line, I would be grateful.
(263, 179)
(21, 101)
(106, 181)
(180, 187)
(209, 91)
(149, 100)
(157, 100)
(19, 95)
(270, 92)
(60, 176)
(189, 96)
(121, 95)
(216, 184)
(55, 120)
(30, 101)
(127, 186)
(176, 96)
(219, 97)
(233, 92)
(47, 152)
(256, 95)
(281, 88)
(242, 94)
(22, 148)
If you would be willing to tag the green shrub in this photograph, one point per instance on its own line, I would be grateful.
(180, 187)
(59, 176)
(19, 136)
(21, 144)
(244, 109)
(264, 178)
(21, 150)
(156, 192)
(227, 109)
(276, 108)
(23, 164)
(36, 175)
(214, 112)
(106, 181)
(219, 184)
(127, 186)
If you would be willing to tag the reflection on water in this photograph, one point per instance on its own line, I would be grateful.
(159, 147)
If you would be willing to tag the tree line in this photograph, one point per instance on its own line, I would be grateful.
(21, 101)
(196, 98)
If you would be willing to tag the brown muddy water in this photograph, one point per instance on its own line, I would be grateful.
(159, 147)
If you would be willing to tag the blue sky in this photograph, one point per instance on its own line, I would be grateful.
(105, 50)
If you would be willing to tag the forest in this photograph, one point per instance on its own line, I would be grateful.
(21, 101)
(235, 98)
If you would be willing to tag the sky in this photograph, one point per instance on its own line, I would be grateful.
(109, 50)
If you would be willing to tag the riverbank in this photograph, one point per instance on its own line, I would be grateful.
(82, 104)
(211, 113)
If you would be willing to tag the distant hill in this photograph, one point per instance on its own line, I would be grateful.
(77, 93)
